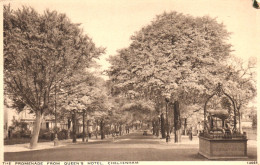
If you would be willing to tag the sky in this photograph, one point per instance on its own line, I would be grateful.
(110, 23)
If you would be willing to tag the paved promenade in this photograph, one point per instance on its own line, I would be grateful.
(133, 146)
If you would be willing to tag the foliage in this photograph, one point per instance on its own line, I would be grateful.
(20, 129)
(84, 93)
(176, 56)
(241, 82)
(182, 58)
(46, 134)
(39, 52)
(20, 125)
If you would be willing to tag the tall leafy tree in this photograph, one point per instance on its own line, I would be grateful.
(40, 50)
(83, 93)
(179, 56)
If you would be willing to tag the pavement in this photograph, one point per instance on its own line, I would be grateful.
(130, 147)
(46, 145)
(185, 143)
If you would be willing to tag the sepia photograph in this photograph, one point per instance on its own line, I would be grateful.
(129, 81)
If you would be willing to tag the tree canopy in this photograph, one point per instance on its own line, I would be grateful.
(176, 56)
(40, 51)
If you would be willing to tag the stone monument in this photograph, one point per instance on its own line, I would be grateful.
(220, 137)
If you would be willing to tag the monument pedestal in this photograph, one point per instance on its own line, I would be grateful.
(222, 148)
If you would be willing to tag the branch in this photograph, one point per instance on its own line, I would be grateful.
(21, 93)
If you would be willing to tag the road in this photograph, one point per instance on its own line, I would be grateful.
(131, 147)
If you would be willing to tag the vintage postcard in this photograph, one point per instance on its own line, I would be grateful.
(129, 81)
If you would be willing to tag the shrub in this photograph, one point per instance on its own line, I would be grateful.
(46, 134)
(56, 129)
(25, 133)
(63, 134)
(79, 135)
(16, 134)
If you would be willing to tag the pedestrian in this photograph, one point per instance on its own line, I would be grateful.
(190, 135)
(9, 133)
(199, 128)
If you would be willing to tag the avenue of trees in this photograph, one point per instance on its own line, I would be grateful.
(181, 59)
(171, 66)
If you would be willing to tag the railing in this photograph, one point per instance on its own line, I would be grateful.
(223, 135)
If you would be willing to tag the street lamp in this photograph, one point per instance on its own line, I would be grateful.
(167, 124)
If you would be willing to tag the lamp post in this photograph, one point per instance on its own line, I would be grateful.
(167, 124)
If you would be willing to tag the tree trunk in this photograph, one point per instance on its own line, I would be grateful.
(102, 129)
(163, 126)
(177, 136)
(177, 122)
(83, 123)
(74, 127)
(185, 126)
(120, 129)
(239, 120)
(87, 128)
(157, 128)
(36, 130)
(96, 129)
(69, 125)
(110, 129)
(153, 123)
(115, 129)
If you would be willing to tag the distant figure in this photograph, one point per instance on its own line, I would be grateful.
(127, 129)
(199, 128)
(190, 135)
(9, 133)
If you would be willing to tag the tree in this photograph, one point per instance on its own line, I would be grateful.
(39, 52)
(178, 55)
(83, 93)
(240, 83)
